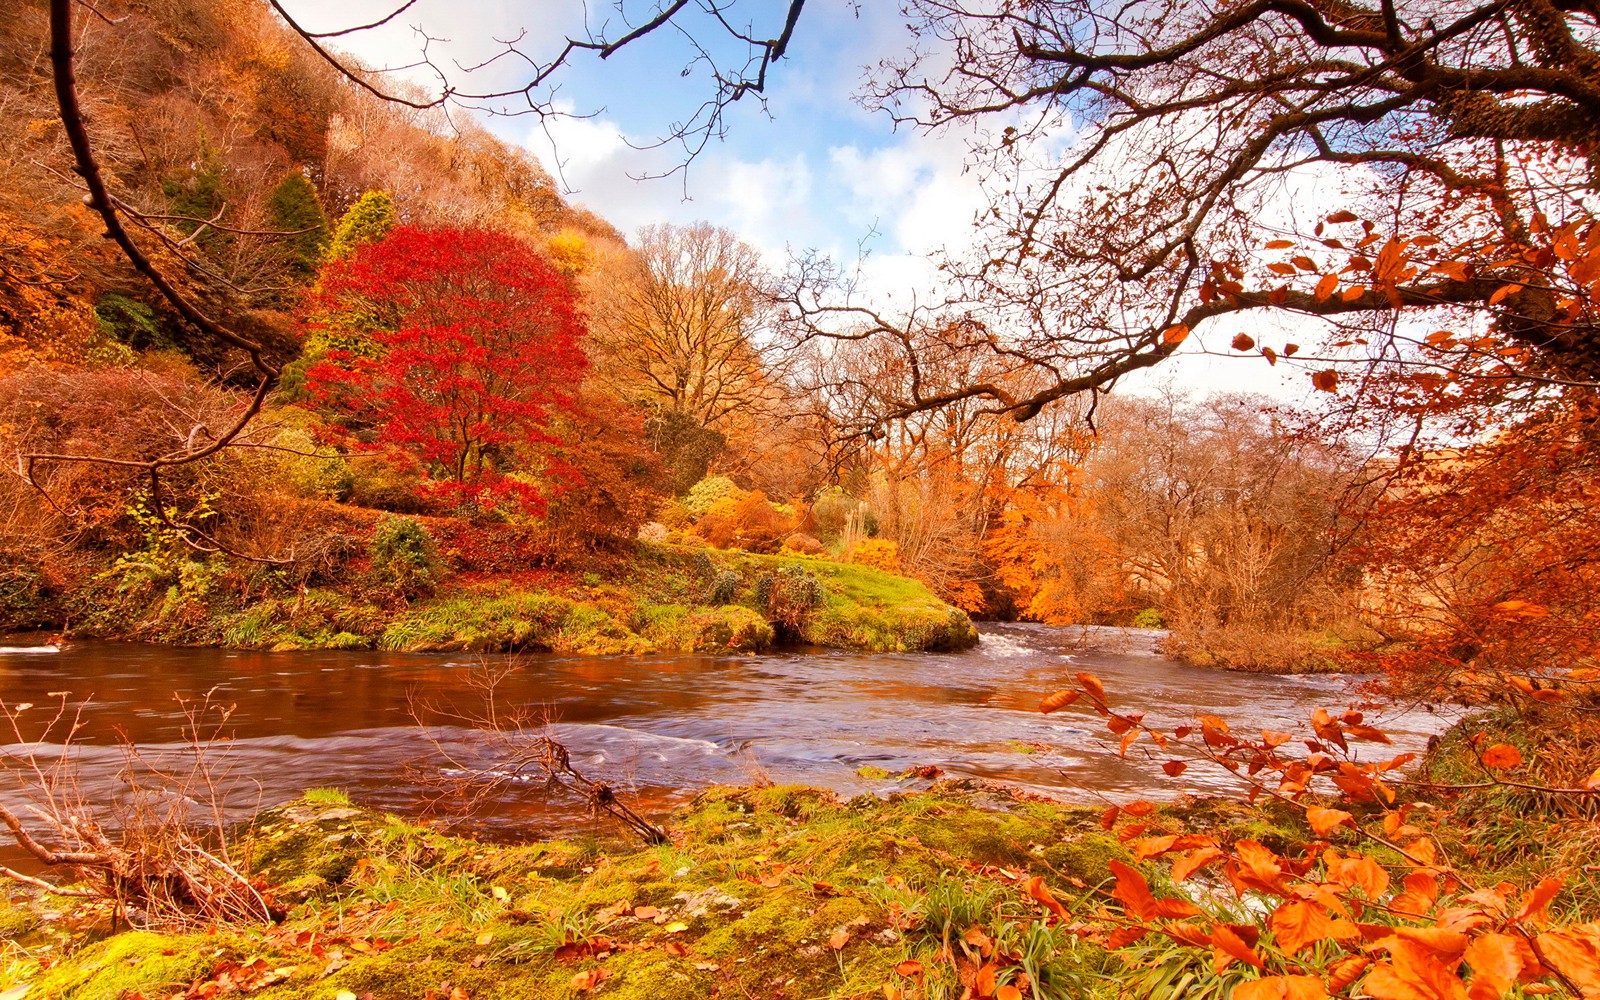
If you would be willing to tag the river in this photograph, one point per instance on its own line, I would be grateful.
(657, 727)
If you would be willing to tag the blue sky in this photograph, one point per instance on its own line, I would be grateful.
(814, 171)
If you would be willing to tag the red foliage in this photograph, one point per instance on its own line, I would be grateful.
(475, 351)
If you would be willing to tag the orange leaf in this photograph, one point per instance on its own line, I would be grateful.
(1177, 767)
(1412, 973)
(909, 968)
(1346, 971)
(1174, 335)
(1260, 868)
(1539, 897)
(1326, 380)
(1132, 891)
(1061, 699)
(1575, 953)
(1007, 992)
(1092, 684)
(1227, 942)
(1150, 847)
(1502, 756)
(1281, 988)
(1243, 342)
(1359, 870)
(1040, 893)
(1295, 925)
(1495, 963)
(1194, 861)
(1279, 244)
(984, 983)
(1342, 216)
(1326, 287)
(1325, 821)
(839, 939)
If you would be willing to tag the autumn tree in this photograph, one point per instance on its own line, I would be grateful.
(477, 354)
(678, 328)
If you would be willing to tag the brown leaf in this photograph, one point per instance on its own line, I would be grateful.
(1194, 861)
(1298, 924)
(1495, 962)
(1326, 380)
(1502, 756)
(1060, 699)
(1575, 953)
(1281, 988)
(1092, 685)
(1538, 898)
(1174, 768)
(1325, 821)
(1040, 893)
(1243, 342)
(1229, 946)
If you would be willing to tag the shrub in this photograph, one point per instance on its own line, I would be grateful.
(790, 596)
(1148, 618)
(747, 521)
(722, 588)
(706, 492)
(403, 556)
(878, 553)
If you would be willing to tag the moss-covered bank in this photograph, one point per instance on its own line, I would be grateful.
(657, 598)
(766, 892)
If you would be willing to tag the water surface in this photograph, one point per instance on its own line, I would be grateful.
(658, 727)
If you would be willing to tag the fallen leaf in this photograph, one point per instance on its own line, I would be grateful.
(839, 939)
(646, 912)
(909, 968)
(1502, 756)
(487, 937)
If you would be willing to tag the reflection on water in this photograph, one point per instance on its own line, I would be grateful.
(662, 727)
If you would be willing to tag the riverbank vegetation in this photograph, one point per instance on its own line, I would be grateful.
(455, 344)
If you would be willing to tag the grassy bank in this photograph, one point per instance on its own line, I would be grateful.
(765, 892)
(790, 892)
(657, 598)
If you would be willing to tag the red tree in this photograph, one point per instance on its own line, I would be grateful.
(455, 350)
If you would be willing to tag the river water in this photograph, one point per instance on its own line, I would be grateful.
(658, 727)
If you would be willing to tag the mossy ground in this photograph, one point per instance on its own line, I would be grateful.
(653, 599)
(780, 892)
(772, 892)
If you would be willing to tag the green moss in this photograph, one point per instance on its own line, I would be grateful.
(135, 962)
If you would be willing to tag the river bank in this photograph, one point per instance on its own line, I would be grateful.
(443, 594)
(961, 889)
(771, 892)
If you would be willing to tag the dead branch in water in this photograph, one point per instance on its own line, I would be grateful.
(520, 748)
(146, 852)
